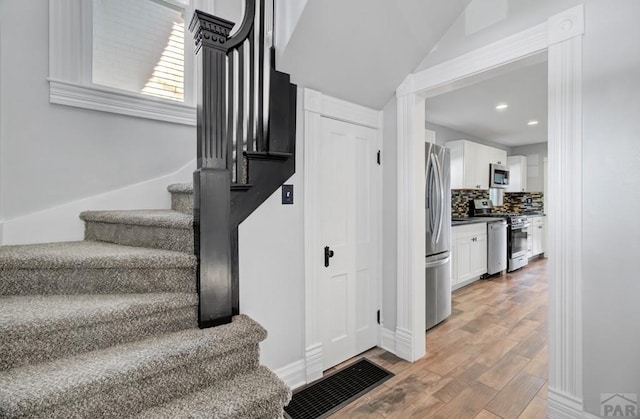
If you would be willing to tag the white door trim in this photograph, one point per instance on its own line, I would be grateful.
(561, 36)
(316, 106)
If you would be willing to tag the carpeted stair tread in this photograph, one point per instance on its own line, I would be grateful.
(151, 218)
(90, 255)
(186, 188)
(42, 328)
(48, 387)
(257, 394)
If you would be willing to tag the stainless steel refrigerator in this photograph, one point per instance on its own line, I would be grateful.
(438, 234)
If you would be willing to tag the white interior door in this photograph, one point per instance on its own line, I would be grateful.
(347, 291)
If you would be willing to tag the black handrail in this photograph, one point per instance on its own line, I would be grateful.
(246, 26)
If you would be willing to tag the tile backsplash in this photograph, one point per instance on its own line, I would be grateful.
(513, 201)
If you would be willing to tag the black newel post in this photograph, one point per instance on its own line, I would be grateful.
(212, 179)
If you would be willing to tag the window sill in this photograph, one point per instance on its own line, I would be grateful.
(101, 98)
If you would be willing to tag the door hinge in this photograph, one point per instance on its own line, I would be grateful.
(378, 316)
(378, 157)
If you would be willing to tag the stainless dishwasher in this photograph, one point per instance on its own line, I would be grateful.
(497, 246)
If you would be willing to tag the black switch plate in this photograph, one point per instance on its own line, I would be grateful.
(287, 194)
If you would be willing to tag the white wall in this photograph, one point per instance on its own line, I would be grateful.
(611, 288)
(53, 154)
(611, 152)
(512, 17)
(361, 50)
(535, 154)
(288, 13)
(389, 215)
(271, 244)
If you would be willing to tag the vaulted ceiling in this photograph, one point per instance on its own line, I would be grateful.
(361, 50)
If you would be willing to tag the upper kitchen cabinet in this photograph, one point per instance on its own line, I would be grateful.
(470, 163)
(498, 156)
(517, 173)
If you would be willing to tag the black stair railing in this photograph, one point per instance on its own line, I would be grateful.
(235, 76)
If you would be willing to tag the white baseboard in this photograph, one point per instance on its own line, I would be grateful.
(563, 406)
(404, 344)
(62, 223)
(388, 340)
(294, 374)
(314, 362)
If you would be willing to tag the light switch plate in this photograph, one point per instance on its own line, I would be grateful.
(287, 194)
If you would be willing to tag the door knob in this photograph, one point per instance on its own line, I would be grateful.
(328, 253)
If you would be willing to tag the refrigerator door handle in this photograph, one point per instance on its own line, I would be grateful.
(440, 190)
(438, 262)
(430, 198)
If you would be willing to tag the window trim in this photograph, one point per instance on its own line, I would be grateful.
(70, 76)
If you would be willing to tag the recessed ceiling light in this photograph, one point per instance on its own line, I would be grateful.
(501, 106)
(532, 122)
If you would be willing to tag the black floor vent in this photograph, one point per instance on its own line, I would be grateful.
(330, 393)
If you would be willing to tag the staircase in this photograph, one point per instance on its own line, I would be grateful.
(108, 328)
(118, 325)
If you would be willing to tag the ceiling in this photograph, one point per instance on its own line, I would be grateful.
(362, 50)
(472, 109)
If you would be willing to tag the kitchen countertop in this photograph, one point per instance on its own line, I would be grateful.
(472, 220)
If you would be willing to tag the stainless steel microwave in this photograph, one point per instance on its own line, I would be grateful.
(499, 176)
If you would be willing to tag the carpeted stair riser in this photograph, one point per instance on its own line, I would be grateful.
(258, 394)
(181, 197)
(106, 400)
(132, 377)
(96, 281)
(177, 240)
(182, 202)
(30, 342)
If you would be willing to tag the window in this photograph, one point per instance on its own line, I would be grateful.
(139, 55)
(124, 56)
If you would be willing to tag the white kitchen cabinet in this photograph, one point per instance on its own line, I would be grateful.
(469, 255)
(498, 156)
(470, 163)
(517, 174)
(538, 236)
(535, 236)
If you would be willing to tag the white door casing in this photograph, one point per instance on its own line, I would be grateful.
(340, 301)
(561, 37)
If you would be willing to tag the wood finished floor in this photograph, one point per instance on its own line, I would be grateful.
(488, 360)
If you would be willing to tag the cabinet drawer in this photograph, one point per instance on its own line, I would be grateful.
(469, 230)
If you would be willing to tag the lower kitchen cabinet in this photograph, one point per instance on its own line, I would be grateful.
(469, 256)
(535, 236)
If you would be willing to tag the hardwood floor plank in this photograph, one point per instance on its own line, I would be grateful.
(529, 347)
(503, 371)
(515, 396)
(450, 391)
(539, 365)
(543, 391)
(422, 408)
(523, 329)
(487, 415)
(467, 404)
(492, 353)
(537, 409)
